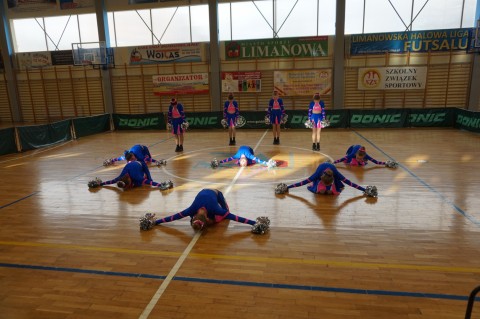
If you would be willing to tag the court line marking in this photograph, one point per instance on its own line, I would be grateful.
(158, 294)
(371, 292)
(440, 195)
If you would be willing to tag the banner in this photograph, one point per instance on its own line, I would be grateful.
(169, 53)
(437, 117)
(277, 48)
(241, 81)
(171, 84)
(410, 41)
(469, 121)
(391, 118)
(85, 126)
(308, 83)
(33, 60)
(7, 141)
(151, 121)
(392, 78)
(32, 5)
(63, 57)
(76, 4)
(33, 137)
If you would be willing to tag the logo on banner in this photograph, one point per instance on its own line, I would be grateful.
(371, 79)
(138, 122)
(241, 121)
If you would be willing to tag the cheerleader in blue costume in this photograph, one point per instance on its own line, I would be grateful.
(275, 113)
(136, 153)
(208, 208)
(327, 180)
(230, 115)
(245, 156)
(357, 156)
(176, 121)
(134, 174)
(317, 117)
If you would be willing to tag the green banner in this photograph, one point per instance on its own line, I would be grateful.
(204, 120)
(7, 141)
(469, 121)
(91, 125)
(439, 117)
(277, 48)
(151, 121)
(337, 118)
(388, 118)
(33, 137)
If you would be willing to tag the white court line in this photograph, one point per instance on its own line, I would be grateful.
(158, 294)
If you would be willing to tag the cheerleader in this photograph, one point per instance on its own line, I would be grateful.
(357, 156)
(208, 208)
(327, 180)
(136, 153)
(245, 156)
(176, 120)
(275, 113)
(230, 115)
(316, 116)
(134, 174)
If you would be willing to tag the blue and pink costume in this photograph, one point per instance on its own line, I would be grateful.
(215, 205)
(176, 116)
(351, 157)
(275, 110)
(317, 185)
(141, 152)
(316, 113)
(248, 153)
(231, 112)
(138, 173)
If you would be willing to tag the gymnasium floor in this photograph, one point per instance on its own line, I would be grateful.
(413, 252)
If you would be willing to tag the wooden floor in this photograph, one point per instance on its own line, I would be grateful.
(413, 252)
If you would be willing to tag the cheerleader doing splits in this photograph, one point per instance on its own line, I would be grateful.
(208, 208)
(230, 115)
(136, 153)
(357, 156)
(316, 115)
(327, 180)
(134, 174)
(275, 113)
(176, 117)
(245, 156)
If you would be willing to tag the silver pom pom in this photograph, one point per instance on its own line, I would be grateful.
(271, 163)
(165, 185)
(284, 119)
(325, 123)
(94, 183)
(267, 120)
(161, 162)
(107, 162)
(224, 123)
(169, 126)
(309, 124)
(261, 226)
(391, 164)
(147, 222)
(281, 188)
(371, 191)
(214, 163)
(185, 125)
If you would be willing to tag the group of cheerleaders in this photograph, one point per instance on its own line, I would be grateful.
(209, 206)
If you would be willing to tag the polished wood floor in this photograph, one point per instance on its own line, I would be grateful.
(413, 252)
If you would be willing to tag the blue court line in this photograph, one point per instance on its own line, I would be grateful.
(433, 190)
(18, 200)
(371, 292)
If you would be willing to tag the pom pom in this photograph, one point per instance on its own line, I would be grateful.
(267, 120)
(261, 226)
(214, 163)
(147, 222)
(284, 119)
(107, 162)
(169, 126)
(325, 123)
(161, 162)
(185, 125)
(391, 164)
(309, 124)
(281, 188)
(224, 123)
(371, 191)
(94, 183)
(328, 161)
(165, 185)
(271, 163)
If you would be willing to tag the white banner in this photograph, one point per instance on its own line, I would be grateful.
(392, 78)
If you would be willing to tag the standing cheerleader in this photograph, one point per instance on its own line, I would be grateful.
(275, 113)
(230, 115)
(176, 121)
(316, 117)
